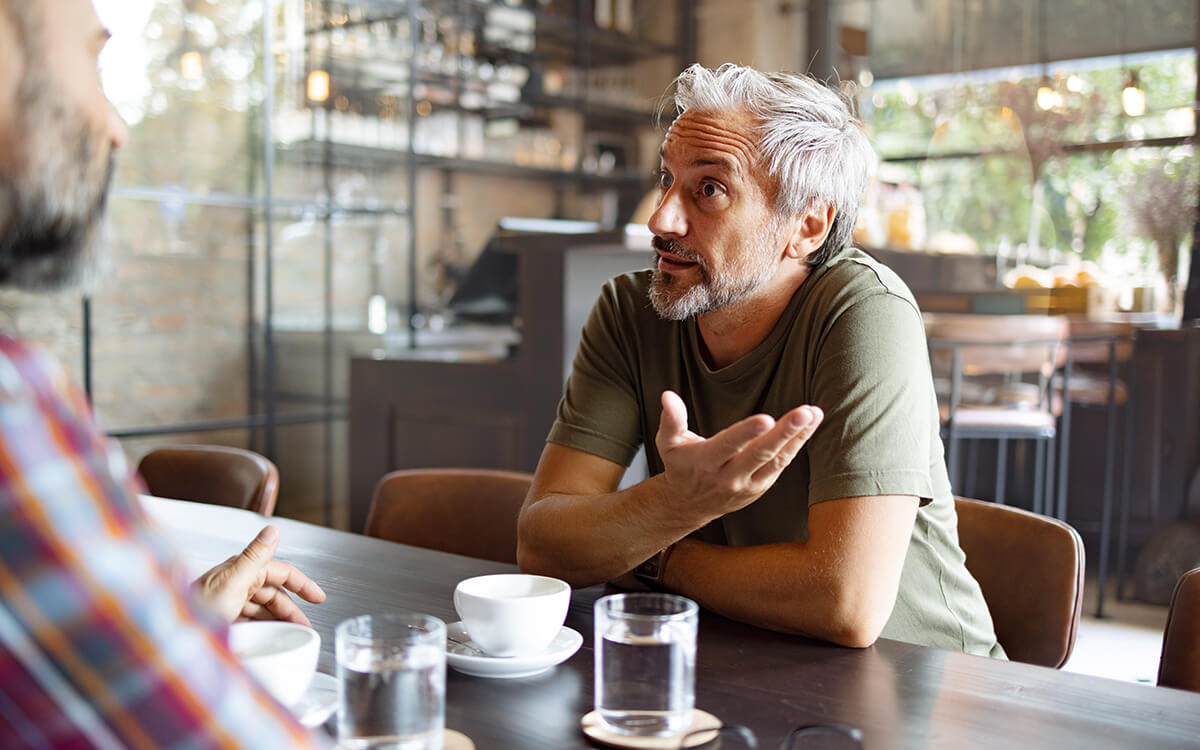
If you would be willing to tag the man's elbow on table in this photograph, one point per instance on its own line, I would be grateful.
(856, 635)
(535, 561)
(843, 617)
(855, 621)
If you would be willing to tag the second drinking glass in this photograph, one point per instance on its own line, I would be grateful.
(645, 663)
(392, 670)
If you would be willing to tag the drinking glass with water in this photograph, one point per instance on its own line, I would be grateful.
(392, 670)
(645, 663)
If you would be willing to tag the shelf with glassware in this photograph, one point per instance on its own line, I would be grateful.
(505, 119)
(527, 90)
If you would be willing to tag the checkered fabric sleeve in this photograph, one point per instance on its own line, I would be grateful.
(102, 644)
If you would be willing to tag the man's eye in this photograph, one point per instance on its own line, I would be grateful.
(665, 180)
(711, 189)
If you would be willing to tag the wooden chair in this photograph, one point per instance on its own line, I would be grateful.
(214, 474)
(996, 374)
(470, 512)
(1179, 666)
(1030, 568)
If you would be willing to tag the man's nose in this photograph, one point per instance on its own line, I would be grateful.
(668, 218)
(117, 129)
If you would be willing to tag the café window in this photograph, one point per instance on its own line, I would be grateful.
(1054, 137)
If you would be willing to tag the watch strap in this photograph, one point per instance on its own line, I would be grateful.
(652, 570)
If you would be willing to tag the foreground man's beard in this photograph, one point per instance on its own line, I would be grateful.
(675, 299)
(53, 227)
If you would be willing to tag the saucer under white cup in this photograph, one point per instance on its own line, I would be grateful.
(462, 655)
(512, 614)
(281, 655)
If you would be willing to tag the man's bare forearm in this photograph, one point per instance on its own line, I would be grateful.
(590, 539)
(778, 587)
(839, 586)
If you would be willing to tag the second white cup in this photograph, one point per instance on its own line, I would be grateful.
(512, 614)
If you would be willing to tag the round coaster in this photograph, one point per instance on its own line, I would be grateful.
(701, 720)
(452, 739)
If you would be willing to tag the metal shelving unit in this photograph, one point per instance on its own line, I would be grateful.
(402, 79)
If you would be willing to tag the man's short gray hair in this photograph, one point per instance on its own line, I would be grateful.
(813, 145)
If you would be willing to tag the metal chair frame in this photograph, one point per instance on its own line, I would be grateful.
(1046, 468)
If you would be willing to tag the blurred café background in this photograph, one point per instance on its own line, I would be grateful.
(362, 236)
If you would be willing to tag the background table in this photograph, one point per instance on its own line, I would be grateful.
(900, 695)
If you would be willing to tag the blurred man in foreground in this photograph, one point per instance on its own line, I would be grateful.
(104, 645)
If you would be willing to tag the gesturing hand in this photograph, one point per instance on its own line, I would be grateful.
(736, 466)
(252, 586)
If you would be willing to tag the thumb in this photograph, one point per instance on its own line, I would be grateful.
(672, 425)
(260, 551)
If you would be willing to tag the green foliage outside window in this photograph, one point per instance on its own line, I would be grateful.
(981, 150)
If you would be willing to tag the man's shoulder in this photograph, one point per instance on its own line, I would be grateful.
(27, 368)
(627, 298)
(853, 276)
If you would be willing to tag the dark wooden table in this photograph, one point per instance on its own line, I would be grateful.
(899, 695)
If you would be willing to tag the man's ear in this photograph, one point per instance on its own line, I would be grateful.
(810, 230)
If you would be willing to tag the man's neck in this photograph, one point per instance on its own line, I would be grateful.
(731, 332)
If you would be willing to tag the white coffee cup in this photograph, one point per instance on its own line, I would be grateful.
(281, 655)
(512, 614)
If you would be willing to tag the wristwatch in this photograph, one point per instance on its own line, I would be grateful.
(652, 570)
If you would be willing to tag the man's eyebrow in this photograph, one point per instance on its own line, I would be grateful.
(712, 161)
(727, 164)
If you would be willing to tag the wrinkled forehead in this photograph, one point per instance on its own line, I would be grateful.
(727, 137)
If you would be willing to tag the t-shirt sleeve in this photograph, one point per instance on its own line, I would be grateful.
(99, 636)
(598, 412)
(872, 380)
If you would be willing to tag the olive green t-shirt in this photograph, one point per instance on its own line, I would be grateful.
(851, 341)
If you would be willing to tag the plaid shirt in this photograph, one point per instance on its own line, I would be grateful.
(103, 645)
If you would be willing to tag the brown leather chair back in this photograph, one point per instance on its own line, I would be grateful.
(469, 512)
(1180, 663)
(1030, 568)
(215, 474)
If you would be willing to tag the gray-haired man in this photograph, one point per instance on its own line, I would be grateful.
(760, 324)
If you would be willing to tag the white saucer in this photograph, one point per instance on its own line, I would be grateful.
(318, 702)
(476, 664)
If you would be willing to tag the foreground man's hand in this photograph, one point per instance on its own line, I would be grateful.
(253, 586)
(733, 468)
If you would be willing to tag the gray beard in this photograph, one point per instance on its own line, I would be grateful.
(672, 301)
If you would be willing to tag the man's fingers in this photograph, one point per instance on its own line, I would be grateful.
(770, 470)
(255, 611)
(731, 441)
(771, 453)
(284, 575)
(278, 604)
(261, 549)
(672, 425)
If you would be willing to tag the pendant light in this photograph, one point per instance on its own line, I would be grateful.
(1047, 96)
(318, 86)
(1133, 99)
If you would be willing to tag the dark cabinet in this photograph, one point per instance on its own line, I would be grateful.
(409, 411)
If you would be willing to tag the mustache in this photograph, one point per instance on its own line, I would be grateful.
(674, 248)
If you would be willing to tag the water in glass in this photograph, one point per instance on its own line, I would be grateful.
(392, 671)
(645, 683)
(395, 702)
